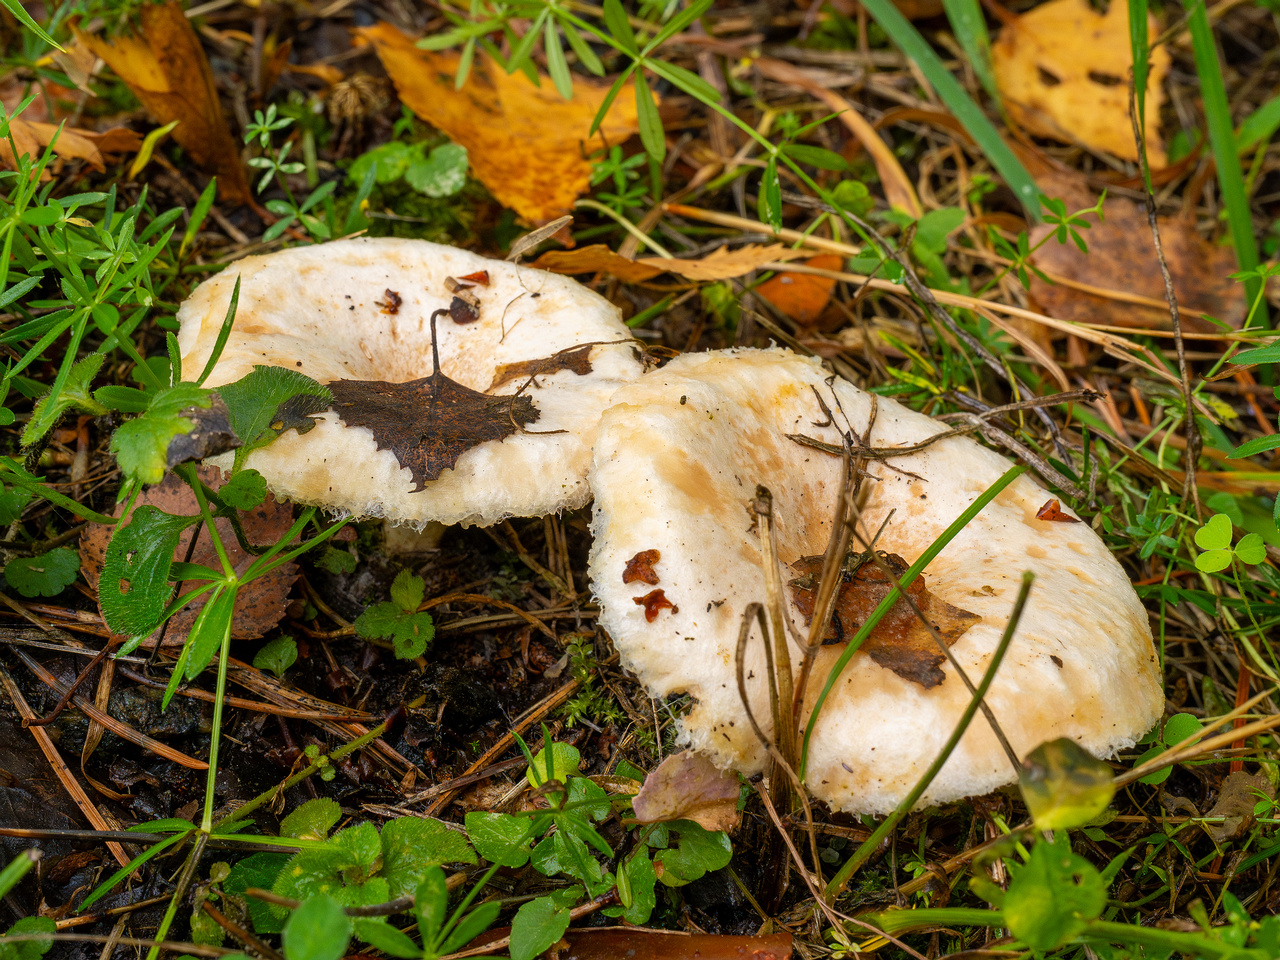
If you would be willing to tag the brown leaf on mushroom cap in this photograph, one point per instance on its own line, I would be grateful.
(429, 423)
(900, 642)
(1062, 70)
(1052, 511)
(688, 786)
(576, 361)
(260, 603)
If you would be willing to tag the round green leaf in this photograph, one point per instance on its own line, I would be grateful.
(1211, 561)
(44, 576)
(1251, 549)
(318, 930)
(1215, 534)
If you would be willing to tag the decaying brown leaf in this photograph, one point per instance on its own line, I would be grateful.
(577, 360)
(1122, 257)
(429, 423)
(1063, 71)
(803, 296)
(640, 567)
(721, 264)
(165, 67)
(688, 786)
(70, 143)
(260, 603)
(525, 143)
(900, 642)
(1236, 799)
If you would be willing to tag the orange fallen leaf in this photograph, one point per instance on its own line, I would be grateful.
(1122, 257)
(70, 144)
(525, 143)
(721, 264)
(165, 67)
(803, 296)
(1063, 71)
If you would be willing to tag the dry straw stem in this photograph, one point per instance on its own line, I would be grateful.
(1199, 747)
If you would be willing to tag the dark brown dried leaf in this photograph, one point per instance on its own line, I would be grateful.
(577, 360)
(900, 642)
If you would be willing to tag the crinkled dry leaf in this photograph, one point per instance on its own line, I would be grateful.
(260, 603)
(1122, 257)
(803, 296)
(688, 786)
(71, 143)
(525, 143)
(577, 360)
(165, 67)
(900, 642)
(1236, 801)
(721, 264)
(429, 423)
(1063, 71)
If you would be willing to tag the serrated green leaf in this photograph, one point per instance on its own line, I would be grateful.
(317, 930)
(277, 655)
(245, 490)
(141, 446)
(442, 173)
(536, 926)
(74, 395)
(312, 821)
(361, 849)
(134, 585)
(255, 402)
(46, 575)
(257, 870)
(407, 591)
(411, 846)
(1215, 534)
(500, 838)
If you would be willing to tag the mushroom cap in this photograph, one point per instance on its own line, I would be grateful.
(677, 460)
(321, 310)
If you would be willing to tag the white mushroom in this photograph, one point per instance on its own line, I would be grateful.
(677, 460)
(361, 310)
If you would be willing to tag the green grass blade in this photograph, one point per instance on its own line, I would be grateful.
(970, 29)
(970, 115)
(887, 603)
(1222, 140)
(1259, 126)
(1140, 48)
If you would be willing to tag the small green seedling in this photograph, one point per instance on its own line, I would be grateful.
(1178, 728)
(398, 620)
(1214, 538)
